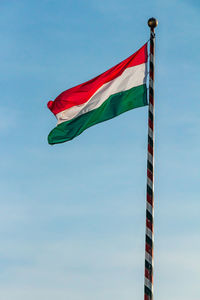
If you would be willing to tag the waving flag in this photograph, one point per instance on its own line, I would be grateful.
(121, 88)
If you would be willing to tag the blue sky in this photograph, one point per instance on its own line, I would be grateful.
(72, 215)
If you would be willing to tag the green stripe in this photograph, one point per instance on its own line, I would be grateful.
(115, 105)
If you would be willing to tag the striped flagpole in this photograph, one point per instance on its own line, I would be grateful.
(149, 237)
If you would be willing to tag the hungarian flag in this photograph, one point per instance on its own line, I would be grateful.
(121, 88)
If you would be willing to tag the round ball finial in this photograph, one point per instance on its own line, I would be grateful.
(152, 22)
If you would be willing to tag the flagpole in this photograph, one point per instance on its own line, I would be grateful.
(149, 236)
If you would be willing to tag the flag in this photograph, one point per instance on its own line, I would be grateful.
(121, 88)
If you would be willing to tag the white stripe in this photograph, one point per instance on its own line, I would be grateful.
(148, 258)
(151, 82)
(150, 132)
(151, 108)
(149, 208)
(150, 183)
(149, 233)
(150, 158)
(152, 58)
(131, 77)
(148, 283)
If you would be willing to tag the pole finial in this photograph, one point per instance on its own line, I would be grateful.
(152, 23)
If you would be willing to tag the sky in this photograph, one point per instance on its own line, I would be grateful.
(72, 222)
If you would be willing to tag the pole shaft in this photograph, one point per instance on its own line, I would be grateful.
(149, 237)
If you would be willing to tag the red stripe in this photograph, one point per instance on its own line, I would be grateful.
(149, 225)
(146, 297)
(149, 174)
(82, 92)
(150, 149)
(149, 249)
(151, 100)
(150, 124)
(148, 274)
(151, 74)
(149, 199)
(152, 47)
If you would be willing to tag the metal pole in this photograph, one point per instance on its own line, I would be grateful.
(149, 237)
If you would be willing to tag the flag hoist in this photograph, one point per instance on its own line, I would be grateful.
(149, 238)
